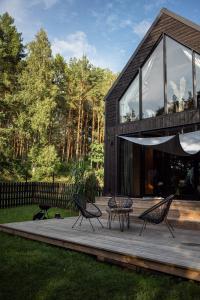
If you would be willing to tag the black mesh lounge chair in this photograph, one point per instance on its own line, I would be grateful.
(93, 212)
(158, 214)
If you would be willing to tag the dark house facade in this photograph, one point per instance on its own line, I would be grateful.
(156, 95)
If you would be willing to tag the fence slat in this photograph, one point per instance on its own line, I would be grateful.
(25, 193)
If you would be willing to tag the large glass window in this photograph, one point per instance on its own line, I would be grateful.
(179, 83)
(179, 76)
(197, 69)
(153, 84)
(129, 103)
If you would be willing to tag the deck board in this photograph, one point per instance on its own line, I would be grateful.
(155, 250)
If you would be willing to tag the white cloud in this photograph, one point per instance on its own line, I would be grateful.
(126, 23)
(112, 21)
(141, 28)
(155, 4)
(75, 45)
(21, 11)
(45, 3)
(15, 8)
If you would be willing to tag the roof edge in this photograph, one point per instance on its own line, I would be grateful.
(180, 18)
(162, 11)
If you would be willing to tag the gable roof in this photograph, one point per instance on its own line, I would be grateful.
(162, 11)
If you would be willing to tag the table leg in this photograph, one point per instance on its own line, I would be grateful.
(128, 221)
(121, 222)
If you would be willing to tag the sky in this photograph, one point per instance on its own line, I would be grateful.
(107, 31)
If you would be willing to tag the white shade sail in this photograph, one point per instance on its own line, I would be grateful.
(190, 142)
(152, 141)
(181, 144)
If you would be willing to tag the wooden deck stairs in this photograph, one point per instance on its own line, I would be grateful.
(182, 214)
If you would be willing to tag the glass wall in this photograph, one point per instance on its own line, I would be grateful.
(179, 77)
(169, 174)
(197, 70)
(153, 84)
(179, 83)
(129, 103)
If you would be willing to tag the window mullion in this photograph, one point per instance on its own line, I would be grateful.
(194, 79)
(165, 74)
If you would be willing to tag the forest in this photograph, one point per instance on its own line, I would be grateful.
(51, 110)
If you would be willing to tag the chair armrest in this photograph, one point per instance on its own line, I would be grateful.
(152, 208)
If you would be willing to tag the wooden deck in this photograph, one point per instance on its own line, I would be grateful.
(155, 250)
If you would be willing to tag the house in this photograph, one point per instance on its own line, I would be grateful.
(152, 120)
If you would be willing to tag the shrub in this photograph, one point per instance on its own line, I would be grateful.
(44, 161)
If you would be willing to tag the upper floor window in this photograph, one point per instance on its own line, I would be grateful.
(179, 76)
(159, 93)
(129, 103)
(153, 84)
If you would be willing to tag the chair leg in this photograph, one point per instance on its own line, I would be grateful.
(170, 230)
(121, 221)
(143, 228)
(91, 224)
(145, 225)
(109, 220)
(170, 225)
(81, 221)
(128, 220)
(76, 221)
(100, 223)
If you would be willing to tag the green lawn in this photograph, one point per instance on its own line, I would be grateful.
(25, 213)
(33, 270)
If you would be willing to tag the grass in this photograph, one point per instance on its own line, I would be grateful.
(32, 270)
(25, 213)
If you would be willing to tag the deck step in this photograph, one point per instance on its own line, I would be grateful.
(182, 214)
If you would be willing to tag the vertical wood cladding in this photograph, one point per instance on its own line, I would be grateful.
(181, 32)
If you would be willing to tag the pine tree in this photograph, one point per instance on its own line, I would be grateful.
(38, 95)
(11, 54)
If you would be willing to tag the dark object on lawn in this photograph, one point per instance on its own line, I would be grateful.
(42, 214)
(39, 216)
(93, 212)
(158, 214)
(58, 216)
(44, 209)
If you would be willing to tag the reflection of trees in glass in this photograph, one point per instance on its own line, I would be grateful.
(179, 76)
(182, 176)
(130, 117)
(129, 103)
(160, 111)
(177, 105)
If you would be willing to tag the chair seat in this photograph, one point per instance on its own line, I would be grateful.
(92, 214)
(120, 210)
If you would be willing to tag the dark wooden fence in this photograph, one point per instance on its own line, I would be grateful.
(16, 193)
(24, 193)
